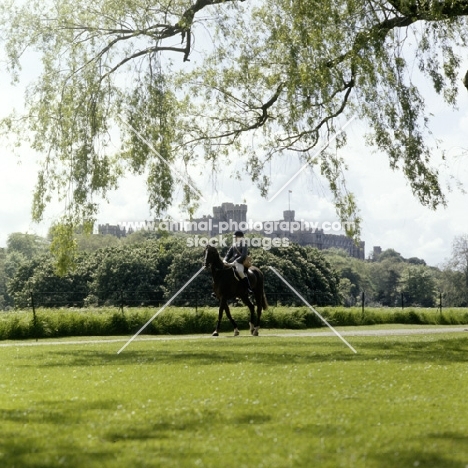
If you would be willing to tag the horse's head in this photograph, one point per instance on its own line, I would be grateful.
(211, 255)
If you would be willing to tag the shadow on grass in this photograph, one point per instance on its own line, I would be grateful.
(56, 412)
(71, 448)
(268, 352)
(17, 452)
(21, 447)
(435, 351)
(165, 427)
(416, 459)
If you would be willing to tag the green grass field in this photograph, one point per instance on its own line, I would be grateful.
(270, 401)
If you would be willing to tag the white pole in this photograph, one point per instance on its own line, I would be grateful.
(161, 309)
(313, 310)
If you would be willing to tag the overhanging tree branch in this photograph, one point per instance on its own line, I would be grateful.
(287, 68)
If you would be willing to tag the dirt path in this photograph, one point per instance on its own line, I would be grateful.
(264, 333)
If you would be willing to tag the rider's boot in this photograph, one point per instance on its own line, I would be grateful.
(246, 282)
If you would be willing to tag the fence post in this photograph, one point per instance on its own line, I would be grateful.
(34, 315)
(121, 301)
(362, 302)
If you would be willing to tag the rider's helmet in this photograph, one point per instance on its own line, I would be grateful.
(238, 234)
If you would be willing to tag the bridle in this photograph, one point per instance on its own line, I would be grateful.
(210, 264)
(205, 263)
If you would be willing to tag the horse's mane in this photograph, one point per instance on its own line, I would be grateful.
(216, 254)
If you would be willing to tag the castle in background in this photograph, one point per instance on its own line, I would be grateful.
(114, 230)
(315, 238)
(228, 217)
(228, 211)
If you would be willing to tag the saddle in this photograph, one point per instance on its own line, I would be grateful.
(234, 271)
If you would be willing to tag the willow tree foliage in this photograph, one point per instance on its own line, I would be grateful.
(459, 259)
(201, 81)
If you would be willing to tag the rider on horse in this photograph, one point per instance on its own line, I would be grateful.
(236, 256)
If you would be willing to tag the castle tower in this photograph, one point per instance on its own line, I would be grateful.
(289, 215)
(230, 211)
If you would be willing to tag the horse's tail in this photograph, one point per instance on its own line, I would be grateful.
(261, 289)
(264, 301)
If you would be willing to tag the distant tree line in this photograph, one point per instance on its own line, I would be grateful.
(390, 280)
(146, 269)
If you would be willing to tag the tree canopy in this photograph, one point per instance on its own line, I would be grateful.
(198, 80)
(146, 269)
(150, 271)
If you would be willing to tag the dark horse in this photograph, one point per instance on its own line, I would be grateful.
(226, 286)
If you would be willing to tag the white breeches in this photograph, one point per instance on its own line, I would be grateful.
(240, 269)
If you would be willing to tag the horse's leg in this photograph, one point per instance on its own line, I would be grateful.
(259, 315)
(220, 316)
(234, 324)
(248, 303)
(255, 321)
(260, 302)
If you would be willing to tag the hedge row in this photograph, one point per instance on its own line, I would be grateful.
(56, 323)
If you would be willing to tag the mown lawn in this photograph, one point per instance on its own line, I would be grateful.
(237, 402)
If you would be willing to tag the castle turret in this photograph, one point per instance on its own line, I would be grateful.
(289, 215)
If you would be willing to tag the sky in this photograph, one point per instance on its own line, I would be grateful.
(392, 216)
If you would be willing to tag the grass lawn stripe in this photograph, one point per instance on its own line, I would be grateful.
(276, 402)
